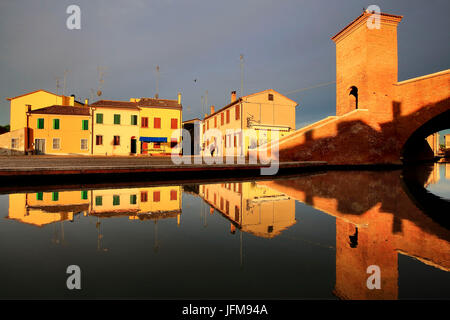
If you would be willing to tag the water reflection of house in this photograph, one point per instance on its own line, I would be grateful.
(43, 208)
(255, 209)
(138, 203)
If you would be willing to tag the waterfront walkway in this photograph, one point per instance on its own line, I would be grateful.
(84, 165)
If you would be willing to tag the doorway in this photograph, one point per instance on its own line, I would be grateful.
(39, 146)
(133, 146)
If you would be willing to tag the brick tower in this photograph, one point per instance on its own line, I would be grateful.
(366, 63)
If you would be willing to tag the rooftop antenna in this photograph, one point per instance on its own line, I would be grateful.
(206, 101)
(241, 57)
(57, 85)
(101, 72)
(157, 82)
(203, 107)
(64, 81)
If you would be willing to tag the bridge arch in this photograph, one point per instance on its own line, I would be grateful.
(415, 147)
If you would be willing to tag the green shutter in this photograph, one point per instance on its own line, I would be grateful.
(55, 196)
(99, 117)
(133, 199)
(98, 200)
(39, 196)
(84, 195)
(133, 120)
(56, 124)
(85, 124)
(117, 119)
(116, 200)
(40, 123)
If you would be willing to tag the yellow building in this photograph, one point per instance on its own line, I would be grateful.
(116, 129)
(43, 208)
(138, 203)
(253, 118)
(20, 105)
(60, 130)
(253, 208)
(160, 125)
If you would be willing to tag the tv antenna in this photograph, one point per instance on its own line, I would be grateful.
(241, 58)
(64, 81)
(157, 82)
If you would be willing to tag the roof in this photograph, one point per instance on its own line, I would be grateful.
(152, 102)
(191, 120)
(65, 110)
(361, 17)
(114, 104)
(241, 99)
(25, 94)
(142, 103)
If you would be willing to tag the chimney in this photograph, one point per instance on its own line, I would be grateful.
(179, 97)
(233, 96)
(86, 102)
(156, 96)
(212, 109)
(29, 107)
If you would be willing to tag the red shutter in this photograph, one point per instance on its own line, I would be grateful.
(221, 118)
(143, 196)
(238, 114)
(156, 196)
(174, 123)
(228, 116)
(157, 123)
(173, 195)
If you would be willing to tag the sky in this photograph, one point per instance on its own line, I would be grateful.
(197, 44)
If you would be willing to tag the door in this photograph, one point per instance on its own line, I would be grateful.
(144, 148)
(133, 146)
(39, 146)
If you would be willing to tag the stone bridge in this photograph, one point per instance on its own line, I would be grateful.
(378, 119)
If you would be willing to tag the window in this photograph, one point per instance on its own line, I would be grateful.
(116, 200)
(228, 116)
(144, 122)
(215, 198)
(238, 112)
(353, 97)
(236, 213)
(156, 196)
(116, 141)
(235, 141)
(99, 118)
(227, 207)
(204, 128)
(98, 200)
(173, 195)
(56, 124)
(221, 119)
(144, 196)
(215, 122)
(85, 124)
(39, 196)
(221, 203)
(56, 143)
(157, 145)
(207, 125)
(133, 199)
(14, 143)
(270, 97)
(173, 142)
(157, 123)
(174, 123)
(99, 140)
(134, 120)
(84, 144)
(40, 123)
(84, 195)
(55, 196)
(117, 119)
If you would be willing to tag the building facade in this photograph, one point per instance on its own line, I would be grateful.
(160, 125)
(115, 128)
(63, 130)
(248, 122)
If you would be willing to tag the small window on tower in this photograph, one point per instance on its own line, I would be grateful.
(270, 97)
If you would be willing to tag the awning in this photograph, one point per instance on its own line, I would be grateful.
(152, 139)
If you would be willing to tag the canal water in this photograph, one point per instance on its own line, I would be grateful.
(327, 235)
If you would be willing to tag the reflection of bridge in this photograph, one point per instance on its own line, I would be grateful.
(375, 220)
(378, 119)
